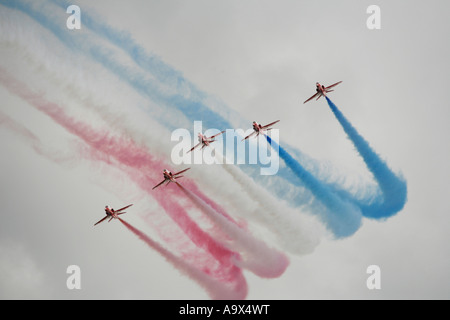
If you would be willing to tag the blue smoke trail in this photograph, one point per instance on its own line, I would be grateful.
(393, 188)
(150, 62)
(192, 109)
(342, 217)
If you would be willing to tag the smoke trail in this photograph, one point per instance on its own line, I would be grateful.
(393, 187)
(20, 130)
(292, 227)
(165, 74)
(291, 232)
(168, 90)
(216, 289)
(256, 255)
(138, 164)
(191, 107)
(162, 89)
(126, 151)
(88, 101)
(226, 282)
(341, 217)
(138, 80)
(294, 232)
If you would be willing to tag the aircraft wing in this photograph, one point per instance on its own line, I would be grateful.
(123, 208)
(101, 220)
(315, 95)
(194, 147)
(159, 184)
(216, 135)
(270, 124)
(333, 85)
(181, 172)
(251, 134)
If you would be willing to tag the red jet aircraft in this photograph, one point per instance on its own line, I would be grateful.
(259, 129)
(321, 90)
(111, 213)
(205, 141)
(170, 177)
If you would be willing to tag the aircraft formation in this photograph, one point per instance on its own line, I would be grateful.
(204, 141)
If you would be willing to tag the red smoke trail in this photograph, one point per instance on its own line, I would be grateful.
(140, 165)
(110, 147)
(215, 289)
(125, 151)
(17, 128)
(256, 255)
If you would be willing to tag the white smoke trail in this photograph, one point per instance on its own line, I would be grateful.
(295, 232)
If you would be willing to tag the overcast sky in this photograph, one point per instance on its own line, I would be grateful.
(261, 59)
